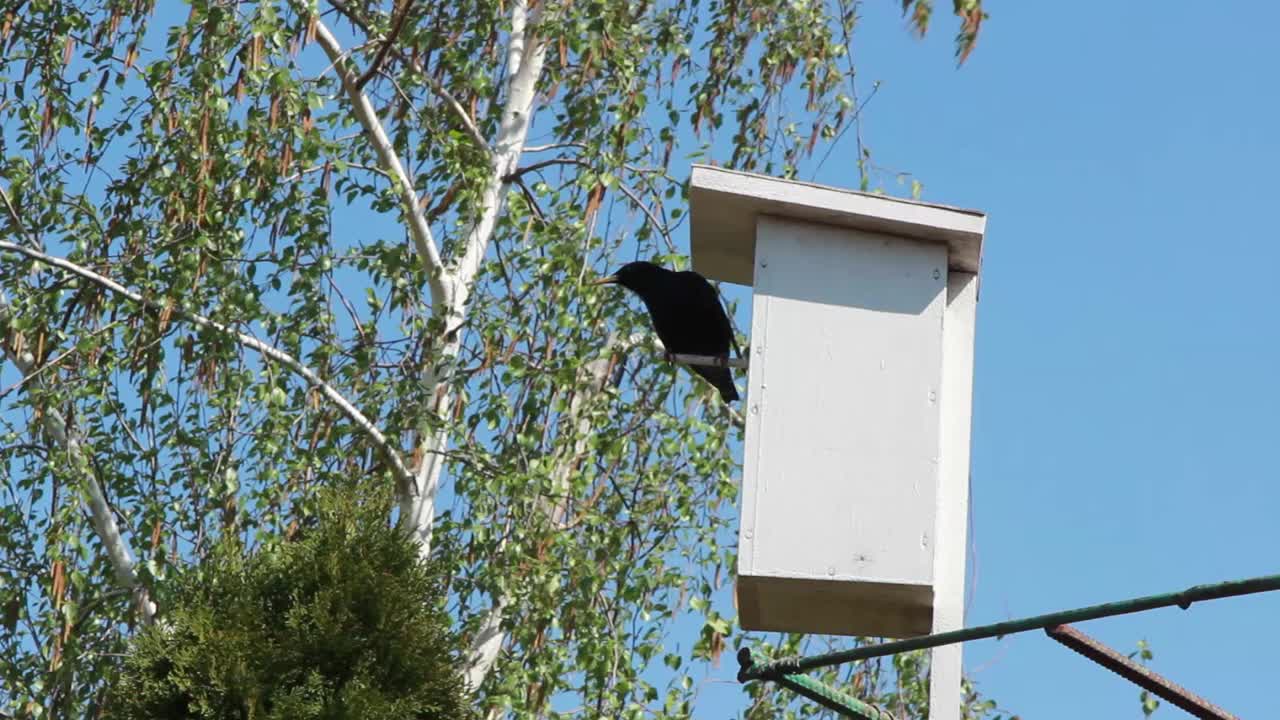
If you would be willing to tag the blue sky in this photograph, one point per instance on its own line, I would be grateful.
(1125, 424)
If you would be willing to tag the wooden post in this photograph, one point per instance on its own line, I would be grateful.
(953, 493)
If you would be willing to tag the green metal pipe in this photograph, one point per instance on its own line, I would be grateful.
(775, 670)
(832, 699)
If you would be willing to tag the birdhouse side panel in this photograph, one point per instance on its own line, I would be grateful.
(842, 446)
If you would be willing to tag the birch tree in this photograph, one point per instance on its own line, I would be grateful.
(249, 249)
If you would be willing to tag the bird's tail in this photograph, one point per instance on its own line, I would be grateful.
(722, 379)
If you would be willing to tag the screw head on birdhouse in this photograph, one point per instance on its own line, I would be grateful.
(855, 471)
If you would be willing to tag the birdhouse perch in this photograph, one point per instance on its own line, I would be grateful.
(856, 465)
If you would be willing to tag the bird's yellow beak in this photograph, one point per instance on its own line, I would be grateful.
(612, 279)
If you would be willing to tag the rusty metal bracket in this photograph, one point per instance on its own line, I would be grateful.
(1137, 674)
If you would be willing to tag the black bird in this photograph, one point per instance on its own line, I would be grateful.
(686, 314)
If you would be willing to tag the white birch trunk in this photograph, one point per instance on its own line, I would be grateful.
(525, 58)
(451, 287)
(62, 435)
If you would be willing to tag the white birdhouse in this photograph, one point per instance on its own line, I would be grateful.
(856, 468)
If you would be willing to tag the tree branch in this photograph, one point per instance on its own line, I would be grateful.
(344, 406)
(396, 26)
(641, 338)
(467, 121)
(553, 146)
(419, 230)
(50, 364)
(17, 219)
(533, 201)
(706, 360)
(657, 224)
(519, 172)
(435, 85)
(320, 168)
(445, 95)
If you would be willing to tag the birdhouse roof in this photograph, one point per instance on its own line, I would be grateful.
(724, 205)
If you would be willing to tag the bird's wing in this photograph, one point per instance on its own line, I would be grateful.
(705, 305)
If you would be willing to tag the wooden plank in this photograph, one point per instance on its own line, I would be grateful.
(842, 437)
